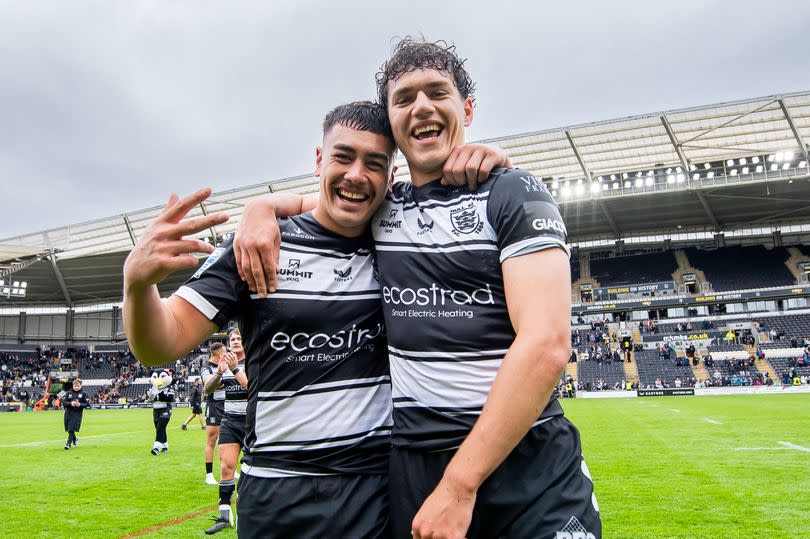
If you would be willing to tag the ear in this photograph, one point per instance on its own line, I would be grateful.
(318, 159)
(468, 112)
(391, 178)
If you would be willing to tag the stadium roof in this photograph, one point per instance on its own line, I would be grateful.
(709, 169)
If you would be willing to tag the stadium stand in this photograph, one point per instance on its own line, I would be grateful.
(651, 369)
(742, 268)
(639, 269)
(590, 373)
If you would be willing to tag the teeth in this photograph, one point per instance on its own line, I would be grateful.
(353, 196)
(420, 130)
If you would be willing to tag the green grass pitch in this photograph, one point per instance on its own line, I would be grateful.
(686, 467)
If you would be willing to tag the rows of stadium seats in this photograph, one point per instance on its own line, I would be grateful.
(738, 268)
(628, 270)
(591, 371)
(650, 368)
(792, 326)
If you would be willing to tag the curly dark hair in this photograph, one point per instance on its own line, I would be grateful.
(409, 54)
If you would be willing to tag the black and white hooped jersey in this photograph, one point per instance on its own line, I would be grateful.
(210, 370)
(319, 397)
(164, 399)
(439, 252)
(235, 395)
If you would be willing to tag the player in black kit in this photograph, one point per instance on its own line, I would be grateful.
(214, 409)
(319, 400)
(74, 402)
(476, 293)
(231, 378)
(195, 401)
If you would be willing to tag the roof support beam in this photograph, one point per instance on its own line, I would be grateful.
(609, 218)
(131, 232)
(574, 147)
(61, 281)
(796, 134)
(675, 144)
(708, 209)
(214, 235)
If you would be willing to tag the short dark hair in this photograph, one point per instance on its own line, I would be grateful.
(360, 115)
(410, 54)
(216, 347)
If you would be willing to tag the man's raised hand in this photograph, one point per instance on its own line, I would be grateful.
(162, 250)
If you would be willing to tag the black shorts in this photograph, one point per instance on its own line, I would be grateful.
(345, 506)
(161, 414)
(73, 421)
(196, 408)
(233, 430)
(214, 412)
(542, 488)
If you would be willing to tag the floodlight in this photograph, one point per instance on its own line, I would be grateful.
(745, 170)
(649, 173)
(786, 165)
(730, 162)
(670, 178)
(6, 290)
(755, 159)
(615, 185)
(733, 172)
(625, 175)
(638, 174)
(788, 155)
(612, 176)
(802, 164)
(554, 194)
(2, 282)
(774, 166)
(710, 174)
(16, 284)
(693, 167)
(599, 179)
(555, 184)
(594, 188)
(771, 157)
(743, 161)
(707, 166)
(696, 176)
(639, 182)
(759, 168)
(680, 178)
(604, 187)
(627, 184)
(669, 171)
(678, 169)
(650, 181)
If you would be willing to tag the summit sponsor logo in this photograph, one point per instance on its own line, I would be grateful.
(293, 271)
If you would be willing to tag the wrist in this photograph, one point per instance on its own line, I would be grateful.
(461, 482)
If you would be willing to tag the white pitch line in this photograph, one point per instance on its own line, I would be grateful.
(712, 421)
(676, 411)
(790, 445)
(35, 444)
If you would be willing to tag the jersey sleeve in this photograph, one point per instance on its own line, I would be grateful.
(216, 289)
(524, 215)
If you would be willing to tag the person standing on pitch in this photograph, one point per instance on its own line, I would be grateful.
(214, 409)
(74, 402)
(481, 447)
(195, 401)
(230, 377)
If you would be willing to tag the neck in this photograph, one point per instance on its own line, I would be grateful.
(325, 220)
(423, 177)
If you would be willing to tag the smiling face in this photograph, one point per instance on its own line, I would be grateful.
(428, 116)
(235, 342)
(355, 169)
(77, 385)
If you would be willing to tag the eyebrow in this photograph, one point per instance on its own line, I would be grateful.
(371, 155)
(430, 85)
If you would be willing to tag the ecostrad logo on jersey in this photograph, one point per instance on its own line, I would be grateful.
(435, 295)
(302, 341)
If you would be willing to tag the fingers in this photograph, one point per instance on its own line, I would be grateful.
(197, 224)
(455, 167)
(270, 265)
(237, 253)
(180, 247)
(257, 274)
(180, 208)
(173, 198)
(472, 170)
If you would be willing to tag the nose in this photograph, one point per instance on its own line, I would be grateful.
(422, 106)
(355, 171)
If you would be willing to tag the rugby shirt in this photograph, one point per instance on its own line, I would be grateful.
(218, 395)
(235, 395)
(319, 397)
(439, 251)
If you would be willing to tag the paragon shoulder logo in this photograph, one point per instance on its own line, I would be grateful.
(293, 271)
(343, 276)
(465, 219)
(388, 225)
(297, 232)
(574, 530)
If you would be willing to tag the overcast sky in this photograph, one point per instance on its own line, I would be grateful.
(109, 106)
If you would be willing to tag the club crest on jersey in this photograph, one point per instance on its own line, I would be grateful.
(465, 219)
(213, 257)
(343, 276)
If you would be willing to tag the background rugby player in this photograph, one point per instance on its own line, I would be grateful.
(214, 409)
(481, 447)
(195, 401)
(231, 378)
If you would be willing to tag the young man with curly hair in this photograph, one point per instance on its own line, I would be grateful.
(476, 295)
